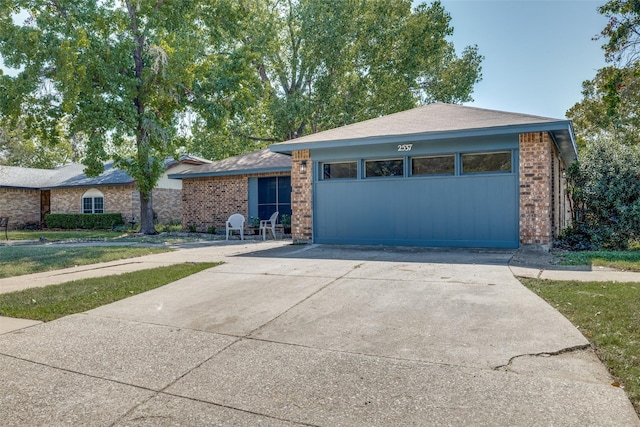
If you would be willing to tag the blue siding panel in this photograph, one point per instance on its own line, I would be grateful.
(253, 198)
(462, 211)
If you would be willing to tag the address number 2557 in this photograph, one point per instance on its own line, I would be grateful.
(405, 147)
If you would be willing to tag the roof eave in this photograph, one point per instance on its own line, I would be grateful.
(89, 185)
(229, 172)
(290, 146)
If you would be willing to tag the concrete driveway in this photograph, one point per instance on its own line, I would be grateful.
(315, 335)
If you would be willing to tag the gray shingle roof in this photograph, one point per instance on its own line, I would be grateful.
(72, 175)
(17, 177)
(434, 121)
(426, 119)
(255, 162)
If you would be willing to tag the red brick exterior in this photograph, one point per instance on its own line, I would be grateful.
(167, 203)
(542, 190)
(301, 197)
(21, 206)
(210, 201)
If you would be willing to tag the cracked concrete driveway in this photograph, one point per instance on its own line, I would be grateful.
(316, 335)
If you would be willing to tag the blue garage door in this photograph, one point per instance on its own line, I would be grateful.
(474, 210)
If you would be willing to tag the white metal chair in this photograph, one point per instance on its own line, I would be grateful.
(269, 224)
(235, 222)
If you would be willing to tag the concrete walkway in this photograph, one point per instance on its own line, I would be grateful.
(314, 335)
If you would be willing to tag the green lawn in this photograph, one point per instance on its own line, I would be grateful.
(608, 314)
(55, 301)
(63, 235)
(621, 260)
(19, 260)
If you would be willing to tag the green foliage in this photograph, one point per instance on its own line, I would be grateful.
(323, 71)
(16, 149)
(322, 64)
(609, 105)
(285, 220)
(254, 221)
(604, 187)
(55, 301)
(211, 230)
(122, 77)
(171, 226)
(611, 101)
(622, 31)
(84, 221)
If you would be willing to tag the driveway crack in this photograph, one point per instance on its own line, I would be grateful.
(543, 354)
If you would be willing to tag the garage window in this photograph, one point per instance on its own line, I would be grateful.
(435, 165)
(340, 170)
(390, 167)
(486, 162)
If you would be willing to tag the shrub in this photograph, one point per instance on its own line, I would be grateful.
(604, 187)
(211, 230)
(171, 226)
(84, 221)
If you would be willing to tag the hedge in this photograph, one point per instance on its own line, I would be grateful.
(102, 221)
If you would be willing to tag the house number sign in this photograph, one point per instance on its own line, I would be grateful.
(405, 147)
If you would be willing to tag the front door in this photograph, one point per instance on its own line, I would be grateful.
(45, 206)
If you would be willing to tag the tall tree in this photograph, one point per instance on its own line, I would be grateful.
(611, 101)
(622, 32)
(123, 75)
(610, 106)
(344, 61)
(324, 64)
(17, 150)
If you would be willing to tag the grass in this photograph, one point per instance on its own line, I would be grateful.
(62, 235)
(19, 260)
(621, 260)
(608, 315)
(178, 235)
(55, 301)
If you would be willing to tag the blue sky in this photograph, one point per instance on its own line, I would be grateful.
(537, 53)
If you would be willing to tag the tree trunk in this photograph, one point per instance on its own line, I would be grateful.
(146, 214)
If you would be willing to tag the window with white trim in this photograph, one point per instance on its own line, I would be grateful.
(93, 202)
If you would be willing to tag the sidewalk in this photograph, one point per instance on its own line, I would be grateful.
(533, 263)
(214, 251)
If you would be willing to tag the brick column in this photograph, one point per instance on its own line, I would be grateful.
(535, 189)
(301, 197)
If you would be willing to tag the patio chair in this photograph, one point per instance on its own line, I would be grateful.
(269, 224)
(4, 223)
(235, 222)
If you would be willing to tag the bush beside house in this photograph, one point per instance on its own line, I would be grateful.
(604, 186)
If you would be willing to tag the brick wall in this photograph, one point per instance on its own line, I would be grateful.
(167, 205)
(301, 198)
(539, 192)
(21, 206)
(117, 199)
(210, 201)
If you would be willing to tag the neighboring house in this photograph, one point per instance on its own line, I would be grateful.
(437, 175)
(27, 195)
(254, 184)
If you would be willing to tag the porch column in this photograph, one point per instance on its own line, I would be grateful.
(536, 205)
(301, 197)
